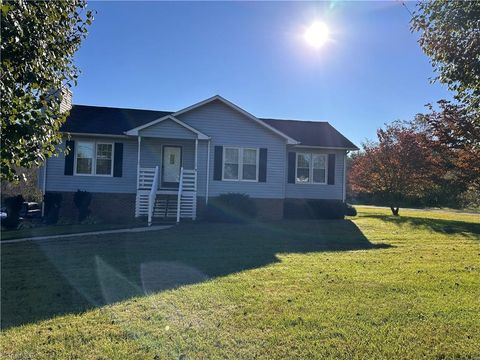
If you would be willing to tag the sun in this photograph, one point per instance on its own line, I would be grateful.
(317, 34)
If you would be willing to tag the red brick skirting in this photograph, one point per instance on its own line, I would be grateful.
(111, 207)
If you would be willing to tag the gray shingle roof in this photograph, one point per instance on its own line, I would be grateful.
(115, 121)
(312, 133)
(107, 120)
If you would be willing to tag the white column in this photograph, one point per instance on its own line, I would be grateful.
(344, 195)
(208, 172)
(196, 153)
(138, 159)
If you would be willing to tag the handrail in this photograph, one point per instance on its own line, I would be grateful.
(152, 196)
(179, 197)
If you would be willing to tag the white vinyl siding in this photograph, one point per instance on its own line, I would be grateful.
(93, 158)
(240, 164)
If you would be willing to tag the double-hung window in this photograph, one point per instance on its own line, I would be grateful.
(240, 164)
(94, 158)
(311, 168)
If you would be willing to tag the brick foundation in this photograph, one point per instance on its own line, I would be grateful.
(109, 207)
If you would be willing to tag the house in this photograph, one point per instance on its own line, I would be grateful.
(169, 164)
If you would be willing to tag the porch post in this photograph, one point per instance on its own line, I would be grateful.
(196, 153)
(344, 192)
(208, 172)
(138, 159)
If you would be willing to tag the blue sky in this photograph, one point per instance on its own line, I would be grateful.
(166, 56)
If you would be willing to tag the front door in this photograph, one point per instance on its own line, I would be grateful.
(172, 160)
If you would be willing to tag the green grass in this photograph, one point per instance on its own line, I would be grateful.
(47, 230)
(370, 287)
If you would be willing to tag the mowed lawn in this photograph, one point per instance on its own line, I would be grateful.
(372, 286)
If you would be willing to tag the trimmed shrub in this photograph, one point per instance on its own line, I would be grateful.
(316, 209)
(232, 208)
(82, 200)
(14, 205)
(350, 210)
(53, 202)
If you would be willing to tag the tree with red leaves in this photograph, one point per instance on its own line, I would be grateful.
(454, 132)
(400, 165)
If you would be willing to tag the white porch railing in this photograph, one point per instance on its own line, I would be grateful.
(152, 196)
(187, 195)
(153, 201)
(145, 178)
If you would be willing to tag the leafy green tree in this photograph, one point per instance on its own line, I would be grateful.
(38, 42)
(450, 36)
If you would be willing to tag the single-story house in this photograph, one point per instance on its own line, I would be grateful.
(169, 164)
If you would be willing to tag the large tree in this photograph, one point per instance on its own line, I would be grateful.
(450, 36)
(454, 134)
(400, 165)
(38, 42)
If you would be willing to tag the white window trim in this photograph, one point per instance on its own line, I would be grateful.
(240, 163)
(310, 171)
(94, 160)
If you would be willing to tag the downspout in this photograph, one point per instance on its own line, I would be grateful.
(208, 172)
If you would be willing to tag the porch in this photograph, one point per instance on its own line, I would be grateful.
(166, 179)
(167, 166)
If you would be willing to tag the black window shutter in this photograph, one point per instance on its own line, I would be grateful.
(292, 159)
(118, 160)
(69, 158)
(262, 163)
(331, 169)
(217, 163)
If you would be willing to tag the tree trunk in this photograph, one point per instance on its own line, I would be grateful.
(395, 210)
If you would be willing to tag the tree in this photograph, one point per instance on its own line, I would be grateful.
(450, 36)
(38, 41)
(398, 166)
(454, 133)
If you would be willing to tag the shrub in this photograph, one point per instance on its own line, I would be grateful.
(231, 207)
(53, 202)
(316, 209)
(350, 210)
(82, 200)
(13, 205)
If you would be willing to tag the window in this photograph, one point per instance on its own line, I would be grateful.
(303, 168)
(104, 159)
(319, 168)
(230, 167)
(311, 168)
(94, 158)
(249, 164)
(84, 158)
(240, 164)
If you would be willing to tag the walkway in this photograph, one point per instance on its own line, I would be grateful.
(104, 232)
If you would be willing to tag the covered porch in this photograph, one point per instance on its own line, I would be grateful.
(167, 163)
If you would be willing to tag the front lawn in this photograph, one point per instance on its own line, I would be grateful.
(373, 286)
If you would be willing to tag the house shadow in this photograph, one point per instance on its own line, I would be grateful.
(456, 227)
(44, 279)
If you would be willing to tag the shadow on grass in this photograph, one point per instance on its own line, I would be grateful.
(48, 278)
(465, 228)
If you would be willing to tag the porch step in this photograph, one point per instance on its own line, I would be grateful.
(166, 204)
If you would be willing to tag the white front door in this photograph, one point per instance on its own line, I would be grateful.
(172, 160)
